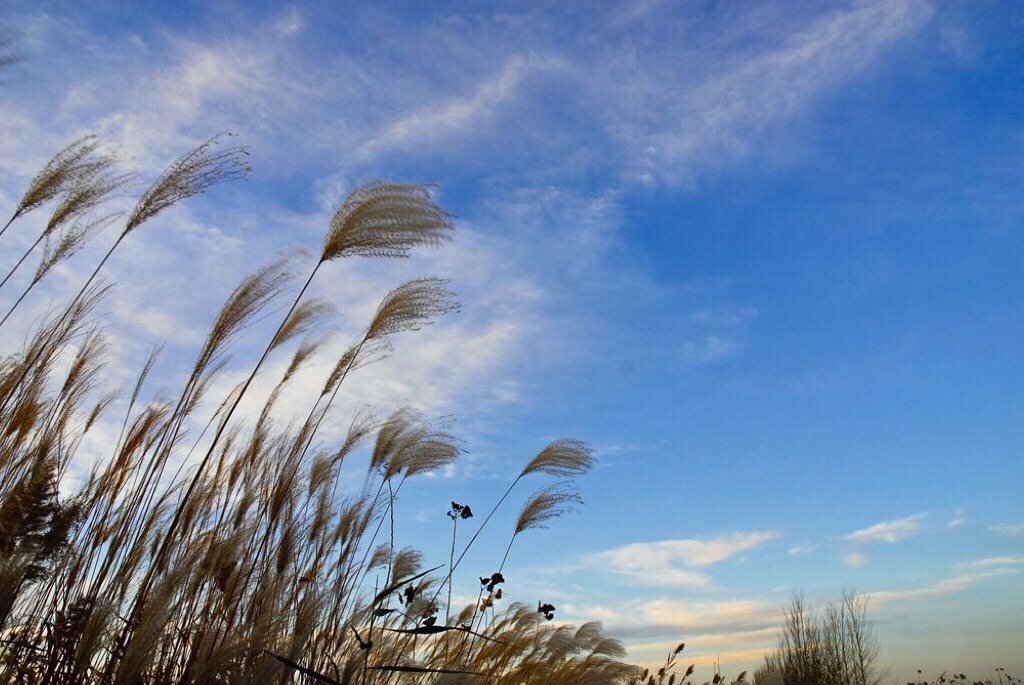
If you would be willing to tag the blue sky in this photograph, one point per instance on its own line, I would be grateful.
(764, 257)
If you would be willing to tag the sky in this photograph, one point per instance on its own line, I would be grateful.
(764, 257)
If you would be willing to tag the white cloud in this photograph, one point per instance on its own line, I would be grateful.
(672, 562)
(946, 586)
(805, 548)
(629, 12)
(959, 519)
(997, 561)
(457, 114)
(1010, 530)
(709, 349)
(200, 89)
(688, 614)
(854, 560)
(724, 316)
(720, 118)
(889, 531)
(290, 22)
(674, 616)
(660, 114)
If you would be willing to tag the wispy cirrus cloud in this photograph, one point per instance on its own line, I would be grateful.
(720, 118)
(1012, 530)
(457, 114)
(889, 531)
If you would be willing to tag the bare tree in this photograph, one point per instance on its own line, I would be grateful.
(839, 648)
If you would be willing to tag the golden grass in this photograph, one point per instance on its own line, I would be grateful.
(255, 564)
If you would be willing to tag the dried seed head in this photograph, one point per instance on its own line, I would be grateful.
(95, 183)
(346, 362)
(59, 174)
(422, 447)
(306, 315)
(68, 243)
(562, 459)
(249, 298)
(385, 220)
(548, 503)
(306, 349)
(391, 436)
(191, 174)
(410, 307)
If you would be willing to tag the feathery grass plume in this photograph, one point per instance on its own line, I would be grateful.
(90, 638)
(141, 646)
(390, 438)
(95, 182)
(326, 464)
(30, 368)
(385, 220)
(408, 445)
(70, 241)
(406, 563)
(306, 349)
(433, 449)
(546, 504)
(380, 558)
(411, 306)
(191, 174)
(249, 298)
(562, 459)
(56, 176)
(408, 307)
(305, 316)
(347, 362)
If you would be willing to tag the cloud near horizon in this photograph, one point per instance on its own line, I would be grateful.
(946, 586)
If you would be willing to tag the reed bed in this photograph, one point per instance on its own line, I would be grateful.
(242, 556)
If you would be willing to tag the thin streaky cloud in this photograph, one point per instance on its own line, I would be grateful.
(722, 118)
(998, 561)
(758, 636)
(946, 586)
(457, 114)
(805, 548)
(889, 531)
(670, 617)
